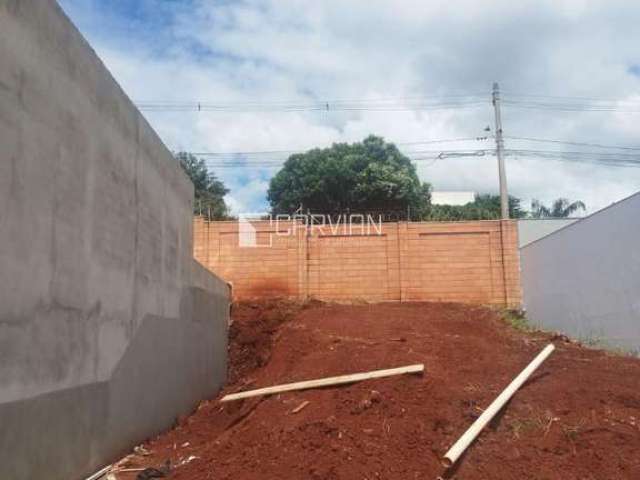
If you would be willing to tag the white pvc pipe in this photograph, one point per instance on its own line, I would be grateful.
(100, 473)
(470, 435)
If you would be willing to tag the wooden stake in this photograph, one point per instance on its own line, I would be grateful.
(324, 382)
(300, 407)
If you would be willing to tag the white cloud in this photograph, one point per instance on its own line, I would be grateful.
(245, 197)
(299, 50)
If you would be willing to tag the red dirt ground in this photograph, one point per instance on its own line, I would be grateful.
(577, 418)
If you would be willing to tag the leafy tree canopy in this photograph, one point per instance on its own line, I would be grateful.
(371, 175)
(484, 207)
(487, 207)
(209, 191)
(560, 208)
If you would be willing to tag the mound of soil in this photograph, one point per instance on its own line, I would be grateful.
(577, 418)
(252, 332)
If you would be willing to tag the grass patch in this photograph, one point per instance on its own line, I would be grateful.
(599, 342)
(572, 431)
(540, 422)
(517, 320)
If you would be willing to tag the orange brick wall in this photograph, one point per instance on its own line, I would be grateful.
(475, 262)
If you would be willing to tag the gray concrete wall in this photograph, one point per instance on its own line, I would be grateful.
(531, 229)
(584, 279)
(108, 328)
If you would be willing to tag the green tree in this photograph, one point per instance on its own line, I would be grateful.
(484, 207)
(209, 191)
(371, 175)
(560, 208)
(491, 203)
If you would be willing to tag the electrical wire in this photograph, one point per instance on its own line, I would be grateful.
(576, 144)
(291, 152)
(627, 156)
(311, 108)
(568, 107)
(610, 159)
(599, 158)
(399, 104)
(570, 104)
(265, 163)
(434, 102)
(321, 100)
(569, 98)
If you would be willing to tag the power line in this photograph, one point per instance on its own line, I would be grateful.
(292, 151)
(399, 104)
(577, 144)
(311, 107)
(571, 98)
(600, 158)
(423, 102)
(445, 140)
(452, 98)
(593, 162)
(568, 107)
(419, 157)
(315, 100)
(255, 158)
(610, 159)
(629, 156)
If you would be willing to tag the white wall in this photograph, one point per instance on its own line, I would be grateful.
(584, 279)
(531, 229)
(452, 198)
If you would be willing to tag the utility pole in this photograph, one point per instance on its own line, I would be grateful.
(504, 196)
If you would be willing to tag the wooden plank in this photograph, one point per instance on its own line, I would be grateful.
(325, 382)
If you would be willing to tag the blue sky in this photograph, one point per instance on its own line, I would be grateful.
(300, 51)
